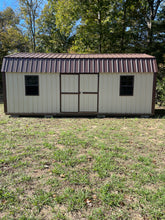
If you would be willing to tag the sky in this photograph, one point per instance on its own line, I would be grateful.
(6, 3)
(11, 3)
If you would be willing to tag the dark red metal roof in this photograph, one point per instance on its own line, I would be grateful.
(78, 63)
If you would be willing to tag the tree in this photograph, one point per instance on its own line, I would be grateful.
(92, 21)
(151, 9)
(50, 39)
(160, 88)
(30, 12)
(11, 37)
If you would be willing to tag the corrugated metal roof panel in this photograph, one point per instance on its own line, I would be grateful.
(78, 63)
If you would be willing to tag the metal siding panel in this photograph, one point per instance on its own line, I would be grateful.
(37, 66)
(51, 66)
(93, 65)
(3, 65)
(9, 68)
(47, 66)
(117, 66)
(129, 65)
(107, 65)
(85, 66)
(131, 61)
(19, 67)
(149, 87)
(143, 93)
(56, 94)
(114, 66)
(139, 66)
(144, 66)
(15, 91)
(120, 66)
(62, 66)
(55, 66)
(76, 66)
(96, 66)
(71, 66)
(19, 92)
(155, 66)
(134, 65)
(111, 65)
(106, 85)
(28, 68)
(100, 66)
(126, 65)
(43, 90)
(149, 67)
(14, 68)
(80, 63)
(6, 66)
(49, 93)
(9, 91)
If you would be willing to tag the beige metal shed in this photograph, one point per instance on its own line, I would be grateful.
(78, 84)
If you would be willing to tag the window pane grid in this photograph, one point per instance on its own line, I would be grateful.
(126, 85)
(31, 85)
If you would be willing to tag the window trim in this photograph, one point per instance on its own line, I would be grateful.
(31, 85)
(127, 86)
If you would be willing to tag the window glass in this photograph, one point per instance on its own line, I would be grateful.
(32, 85)
(126, 85)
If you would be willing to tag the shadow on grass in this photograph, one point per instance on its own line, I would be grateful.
(159, 113)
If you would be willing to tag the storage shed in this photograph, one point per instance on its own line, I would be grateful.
(78, 84)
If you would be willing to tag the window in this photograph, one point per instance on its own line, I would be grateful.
(31, 85)
(126, 85)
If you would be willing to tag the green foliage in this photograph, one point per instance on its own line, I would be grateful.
(11, 36)
(87, 26)
(49, 37)
(160, 87)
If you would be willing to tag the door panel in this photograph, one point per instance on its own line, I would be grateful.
(69, 92)
(88, 102)
(69, 83)
(79, 92)
(88, 83)
(69, 103)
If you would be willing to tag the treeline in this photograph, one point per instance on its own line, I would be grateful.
(87, 26)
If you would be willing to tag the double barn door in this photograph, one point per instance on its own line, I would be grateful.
(79, 93)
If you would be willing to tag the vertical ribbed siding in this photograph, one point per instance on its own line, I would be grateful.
(48, 100)
(139, 103)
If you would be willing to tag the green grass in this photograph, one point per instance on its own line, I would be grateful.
(82, 168)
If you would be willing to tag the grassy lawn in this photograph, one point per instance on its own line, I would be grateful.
(82, 168)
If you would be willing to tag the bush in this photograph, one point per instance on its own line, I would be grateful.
(160, 86)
